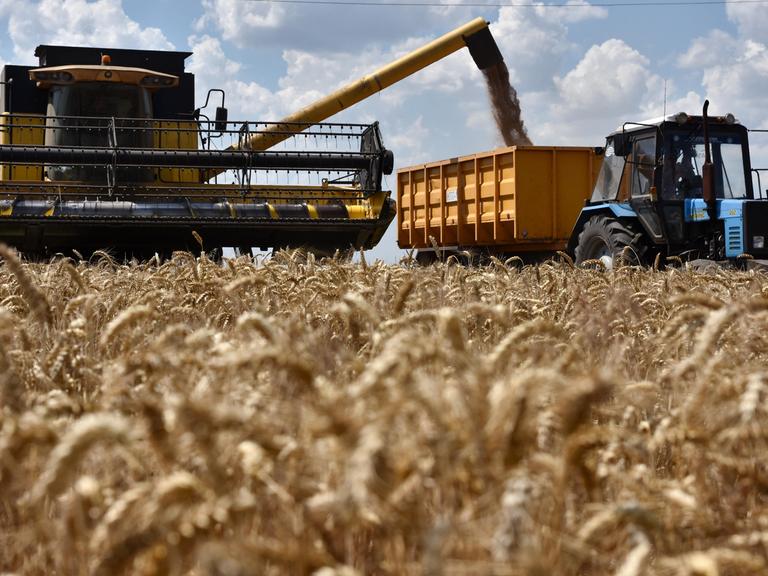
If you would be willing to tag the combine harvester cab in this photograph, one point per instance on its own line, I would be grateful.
(678, 186)
(98, 155)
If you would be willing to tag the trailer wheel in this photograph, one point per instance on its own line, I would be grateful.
(606, 239)
(426, 257)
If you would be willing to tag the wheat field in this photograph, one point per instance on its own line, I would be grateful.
(298, 416)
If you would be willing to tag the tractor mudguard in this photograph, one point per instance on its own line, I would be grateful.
(619, 210)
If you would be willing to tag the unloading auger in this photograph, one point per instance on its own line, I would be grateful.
(96, 156)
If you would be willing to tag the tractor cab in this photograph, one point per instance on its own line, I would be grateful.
(679, 185)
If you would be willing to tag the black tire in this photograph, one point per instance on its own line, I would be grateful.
(605, 238)
(426, 257)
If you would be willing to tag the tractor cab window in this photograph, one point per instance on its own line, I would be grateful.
(683, 167)
(80, 115)
(609, 179)
(643, 166)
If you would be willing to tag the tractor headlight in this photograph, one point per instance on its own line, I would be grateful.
(758, 242)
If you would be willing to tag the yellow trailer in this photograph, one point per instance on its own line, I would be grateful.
(515, 200)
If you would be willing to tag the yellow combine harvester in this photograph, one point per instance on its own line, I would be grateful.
(98, 155)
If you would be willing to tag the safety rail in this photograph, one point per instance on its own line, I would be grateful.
(761, 193)
(118, 154)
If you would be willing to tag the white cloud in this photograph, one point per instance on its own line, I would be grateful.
(710, 50)
(533, 44)
(607, 77)
(410, 142)
(734, 68)
(238, 20)
(740, 85)
(319, 28)
(76, 22)
(612, 83)
(751, 20)
(576, 11)
(213, 69)
(447, 98)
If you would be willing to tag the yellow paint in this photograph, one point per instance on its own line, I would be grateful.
(23, 129)
(356, 212)
(50, 211)
(7, 211)
(517, 198)
(30, 130)
(175, 135)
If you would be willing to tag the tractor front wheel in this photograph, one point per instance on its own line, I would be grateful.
(607, 239)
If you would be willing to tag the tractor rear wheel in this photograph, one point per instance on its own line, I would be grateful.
(607, 239)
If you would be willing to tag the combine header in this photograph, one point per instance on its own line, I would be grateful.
(99, 155)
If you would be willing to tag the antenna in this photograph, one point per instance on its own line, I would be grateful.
(665, 98)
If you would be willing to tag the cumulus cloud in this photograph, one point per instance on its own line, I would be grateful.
(76, 22)
(710, 50)
(248, 24)
(612, 83)
(533, 42)
(239, 20)
(213, 69)
(609, 77)
(734, 68)
(574, 11)
(751, 20)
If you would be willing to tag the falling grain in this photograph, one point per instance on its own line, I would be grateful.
(506, 106)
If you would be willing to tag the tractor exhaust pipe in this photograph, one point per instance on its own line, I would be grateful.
(707, 170)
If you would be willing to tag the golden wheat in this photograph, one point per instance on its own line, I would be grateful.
(303, 416)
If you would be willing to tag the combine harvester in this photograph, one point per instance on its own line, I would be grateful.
(105, 149)
(676, 186)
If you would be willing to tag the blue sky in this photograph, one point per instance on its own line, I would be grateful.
(580, 71)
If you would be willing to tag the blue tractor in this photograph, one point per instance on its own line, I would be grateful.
(677, 186)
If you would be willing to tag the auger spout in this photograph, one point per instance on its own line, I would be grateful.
(474, 35)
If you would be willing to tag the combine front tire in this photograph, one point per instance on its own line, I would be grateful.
(607, 239)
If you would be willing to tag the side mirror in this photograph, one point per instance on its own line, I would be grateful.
(387, 162)
(621, 144)
(220, 125)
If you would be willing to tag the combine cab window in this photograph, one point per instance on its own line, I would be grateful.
(79, 115)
